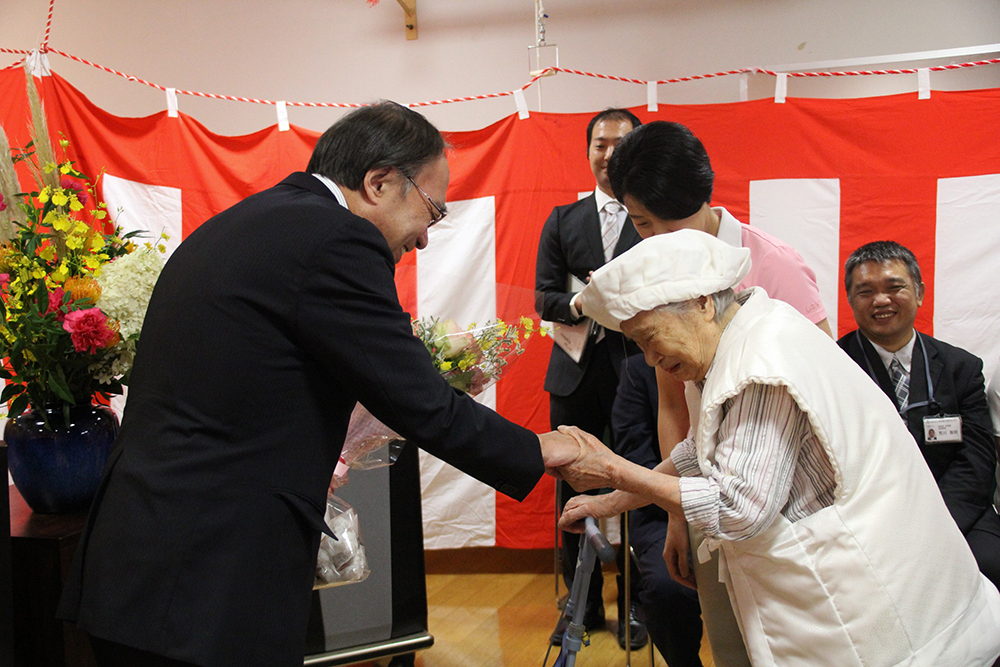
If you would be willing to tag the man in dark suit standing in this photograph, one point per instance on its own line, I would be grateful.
(266, 327)
(578, 239)
(937, 388)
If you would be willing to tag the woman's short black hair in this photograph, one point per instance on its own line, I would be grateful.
(665, 168)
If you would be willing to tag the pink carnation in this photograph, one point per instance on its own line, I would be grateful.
(55, 304)
(88, 329)
(3, 204)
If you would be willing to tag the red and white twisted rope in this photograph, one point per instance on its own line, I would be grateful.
(545, 72)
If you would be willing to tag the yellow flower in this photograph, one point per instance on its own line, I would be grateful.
(96, 243)
(48, 253)
(93, 263)
(74, 203)
(43, 196)
(38, 273)
(74, 241)
(446, 365)
(58, 221)
(59, 197)
(50, 167)
(65, 167)
(6, 261)
(61, 274)
(29, 356)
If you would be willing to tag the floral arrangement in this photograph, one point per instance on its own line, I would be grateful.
(469, 359)
(72, 298)
(473, 359)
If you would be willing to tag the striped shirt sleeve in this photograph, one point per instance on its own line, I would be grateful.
(763, 440)
(685, 458)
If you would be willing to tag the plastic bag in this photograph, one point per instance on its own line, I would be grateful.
(343, 560)
(369, 444)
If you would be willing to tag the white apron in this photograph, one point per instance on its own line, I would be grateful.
(883, 577)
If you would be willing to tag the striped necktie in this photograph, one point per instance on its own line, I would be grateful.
(900, 382)
(609, 228)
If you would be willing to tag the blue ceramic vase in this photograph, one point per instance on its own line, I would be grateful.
(58, 470)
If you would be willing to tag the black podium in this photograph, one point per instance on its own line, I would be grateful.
(384, 615)
(6, 583)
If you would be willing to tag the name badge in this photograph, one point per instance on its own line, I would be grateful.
(942, 429)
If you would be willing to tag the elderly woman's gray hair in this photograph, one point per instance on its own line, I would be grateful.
(722, 300)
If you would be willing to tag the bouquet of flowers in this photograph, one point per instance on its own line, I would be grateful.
(72, 297)
(471, 360)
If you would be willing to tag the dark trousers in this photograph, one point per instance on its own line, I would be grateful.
(672, 612)
(113, 654)
(589, 408)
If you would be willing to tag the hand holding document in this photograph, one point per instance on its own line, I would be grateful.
(572, 338)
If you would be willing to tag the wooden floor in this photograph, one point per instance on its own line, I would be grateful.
(497, 608)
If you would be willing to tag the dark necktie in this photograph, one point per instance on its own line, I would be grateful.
(900, 382)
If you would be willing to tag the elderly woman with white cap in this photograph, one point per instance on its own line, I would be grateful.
(835, 545)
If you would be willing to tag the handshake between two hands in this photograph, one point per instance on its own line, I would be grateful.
(581, 460)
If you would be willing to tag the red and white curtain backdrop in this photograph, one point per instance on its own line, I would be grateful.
(824, 175)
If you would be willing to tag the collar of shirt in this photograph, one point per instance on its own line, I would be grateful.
(730, 229)
(904, 354)
(602, 199)
(334, 188)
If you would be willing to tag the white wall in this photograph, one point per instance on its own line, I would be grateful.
(345, 51)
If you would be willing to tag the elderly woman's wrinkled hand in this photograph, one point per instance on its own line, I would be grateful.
(677, 552)
(579, 508)
(592, 467)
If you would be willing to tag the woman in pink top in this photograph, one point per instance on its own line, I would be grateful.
(663, 175)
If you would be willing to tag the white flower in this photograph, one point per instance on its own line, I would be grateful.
(126, 286)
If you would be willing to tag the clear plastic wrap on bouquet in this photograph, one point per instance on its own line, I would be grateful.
(369, 444)
(341, 560)
(471, 360)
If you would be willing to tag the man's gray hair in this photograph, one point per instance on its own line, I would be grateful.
(384, 134)
(722, 300)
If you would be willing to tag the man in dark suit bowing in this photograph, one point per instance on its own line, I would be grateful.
(937, 388)
(266, 327)
(578, 239)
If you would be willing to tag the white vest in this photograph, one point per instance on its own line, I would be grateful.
(883, 577)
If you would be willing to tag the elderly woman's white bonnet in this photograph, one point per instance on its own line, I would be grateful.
(668, 268)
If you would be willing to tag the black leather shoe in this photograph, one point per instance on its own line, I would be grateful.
(593, 620)
(637, 629)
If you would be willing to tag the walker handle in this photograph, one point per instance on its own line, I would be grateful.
(597, 540)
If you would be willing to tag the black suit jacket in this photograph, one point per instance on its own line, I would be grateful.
(964, 470)
(265, 328)
(633, 423)
(571, 245)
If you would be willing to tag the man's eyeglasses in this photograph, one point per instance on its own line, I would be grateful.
(437, 215)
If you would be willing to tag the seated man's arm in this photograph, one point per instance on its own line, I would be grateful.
(633, 414)
(672, 420)
(968, 483)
